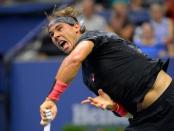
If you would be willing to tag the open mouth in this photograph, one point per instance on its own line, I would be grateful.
(62, 43)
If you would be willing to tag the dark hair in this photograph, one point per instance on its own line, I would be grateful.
(68, 11)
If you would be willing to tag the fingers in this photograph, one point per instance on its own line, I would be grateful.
(93, 102)
(88, 101)
(99, 105)
(101, 92)
(54, 112)
(48, 111)
(43, 122)
(46, 117)
(85, 101)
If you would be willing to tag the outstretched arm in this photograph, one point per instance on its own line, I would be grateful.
(102, 101)
(67, 71)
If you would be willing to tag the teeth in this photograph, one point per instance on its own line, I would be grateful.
(60, 43)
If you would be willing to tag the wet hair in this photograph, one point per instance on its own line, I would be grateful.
(68, 13)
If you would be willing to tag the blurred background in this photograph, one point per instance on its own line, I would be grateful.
(29, 60)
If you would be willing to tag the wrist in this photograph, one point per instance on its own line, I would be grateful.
(58, 89)
(115, 107)
(119, 109)
(111, 106)
(49, 99)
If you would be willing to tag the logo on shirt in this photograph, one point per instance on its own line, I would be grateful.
(92, 77)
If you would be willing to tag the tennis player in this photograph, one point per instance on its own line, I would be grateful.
(113, 67)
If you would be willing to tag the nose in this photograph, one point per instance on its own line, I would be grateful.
(56, 36)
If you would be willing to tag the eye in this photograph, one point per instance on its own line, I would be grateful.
(51, 34)
(59, 28)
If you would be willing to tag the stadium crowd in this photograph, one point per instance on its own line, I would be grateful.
(148, 24)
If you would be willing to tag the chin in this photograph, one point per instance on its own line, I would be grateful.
(67, 52)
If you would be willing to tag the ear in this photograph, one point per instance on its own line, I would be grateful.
(77, 27)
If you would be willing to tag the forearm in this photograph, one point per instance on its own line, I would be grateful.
(68, 70)
(117, 109)
(66, 73)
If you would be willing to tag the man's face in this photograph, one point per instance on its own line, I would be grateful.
(64, 36)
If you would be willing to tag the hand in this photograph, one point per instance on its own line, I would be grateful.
(48, 104)
(102, 101)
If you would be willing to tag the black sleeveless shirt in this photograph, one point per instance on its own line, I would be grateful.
(119, 68)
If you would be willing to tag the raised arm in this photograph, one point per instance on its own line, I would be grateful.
(71, 64)
(67, 71)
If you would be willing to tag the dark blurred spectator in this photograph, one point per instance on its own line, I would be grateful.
(91, 19)
(45, 47)
(147, 3)
(120, 22)
(121, 8)
(162, 25)
(48, 48)
(40, 47)
(148, 43)
(137, 13)
(104, 3)
(170, 8)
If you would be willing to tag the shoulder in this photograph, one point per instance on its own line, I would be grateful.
(97, 36)
(98, 33)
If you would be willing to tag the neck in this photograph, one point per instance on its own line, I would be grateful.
(78, 36)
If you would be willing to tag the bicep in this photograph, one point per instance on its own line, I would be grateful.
(82, 50)
(71, 64)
